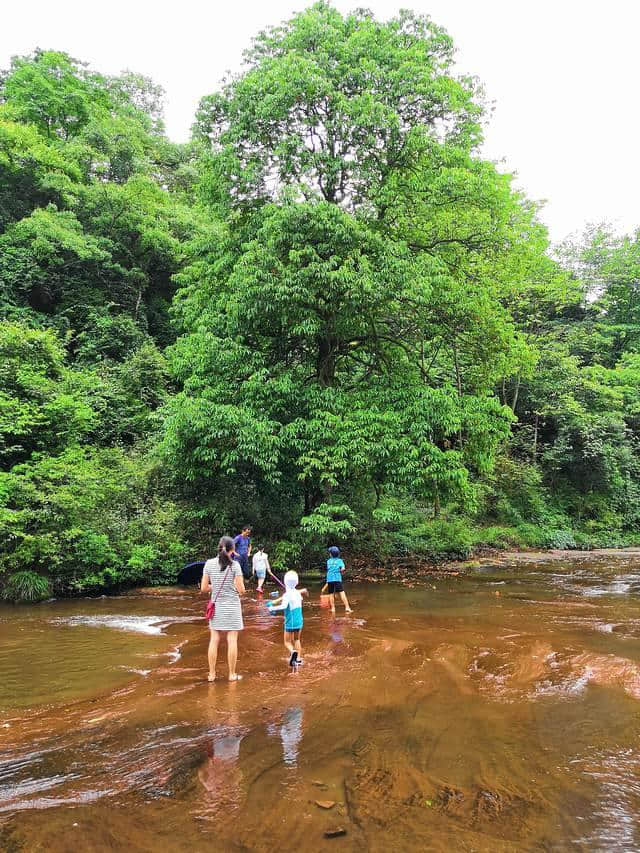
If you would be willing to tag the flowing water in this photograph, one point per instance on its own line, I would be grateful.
(495, 711)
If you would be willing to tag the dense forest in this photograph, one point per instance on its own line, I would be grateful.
(326, 316)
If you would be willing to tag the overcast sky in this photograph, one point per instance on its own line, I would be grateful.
(563, 75)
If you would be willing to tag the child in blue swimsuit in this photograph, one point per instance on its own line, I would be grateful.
(291, 603)
(335, 567)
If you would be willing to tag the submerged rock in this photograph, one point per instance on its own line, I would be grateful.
(335, 833)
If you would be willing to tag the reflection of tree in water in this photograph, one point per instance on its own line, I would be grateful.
(220, 775)
(290, 733)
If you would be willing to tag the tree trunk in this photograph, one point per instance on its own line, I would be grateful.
(326, 361)
(515, 395)
(459, 384)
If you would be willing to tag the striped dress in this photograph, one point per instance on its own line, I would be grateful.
(228, 615)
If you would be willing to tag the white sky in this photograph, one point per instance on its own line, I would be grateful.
(563, 75)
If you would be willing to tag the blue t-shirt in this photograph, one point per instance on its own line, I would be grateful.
(334, 568)
(242, 545)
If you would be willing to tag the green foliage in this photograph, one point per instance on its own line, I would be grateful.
(86, 519)
(330, 105)
(436, 540)
(326, 315)
(26, 588)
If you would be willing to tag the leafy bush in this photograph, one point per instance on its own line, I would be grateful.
(496, 537)
(285, 554)
(26, 587)
(437, 540)
(540, 536)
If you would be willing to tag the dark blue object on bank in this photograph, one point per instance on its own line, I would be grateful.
(191, 573)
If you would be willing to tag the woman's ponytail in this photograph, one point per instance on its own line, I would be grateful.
(225, 552)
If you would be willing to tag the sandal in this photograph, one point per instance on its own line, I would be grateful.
(235, 677)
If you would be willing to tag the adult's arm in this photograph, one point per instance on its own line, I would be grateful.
(238, 579)
(205, 583)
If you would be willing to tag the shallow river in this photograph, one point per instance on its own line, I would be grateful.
(496, 711)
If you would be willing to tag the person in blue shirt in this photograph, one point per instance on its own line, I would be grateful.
(291, 603)
(242, 544)
(335, 567)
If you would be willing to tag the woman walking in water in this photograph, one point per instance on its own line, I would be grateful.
(222, 577)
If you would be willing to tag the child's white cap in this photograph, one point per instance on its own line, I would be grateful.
(291, 580)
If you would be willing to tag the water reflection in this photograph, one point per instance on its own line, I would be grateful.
(290, 732)
(221, 775)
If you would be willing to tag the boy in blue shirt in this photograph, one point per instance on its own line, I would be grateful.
(335, 567)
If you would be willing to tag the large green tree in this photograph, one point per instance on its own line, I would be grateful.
(344, 332)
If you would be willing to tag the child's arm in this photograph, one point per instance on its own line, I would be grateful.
(282, 606)
(304, 591)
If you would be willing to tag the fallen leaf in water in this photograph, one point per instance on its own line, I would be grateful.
(335, 833)
(318, 783)
(325, 804)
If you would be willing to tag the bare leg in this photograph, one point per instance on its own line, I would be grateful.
(287, 641)
(260, 582)
(298, 645)
(213, 654)
(332, 602)
(232, 653)
(343, 596)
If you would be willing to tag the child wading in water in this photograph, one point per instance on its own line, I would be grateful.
(335, 567)
(291, 603)
(260, 566)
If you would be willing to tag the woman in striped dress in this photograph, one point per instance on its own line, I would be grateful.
(222, 577)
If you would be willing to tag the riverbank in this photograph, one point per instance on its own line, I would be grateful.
(407, 568)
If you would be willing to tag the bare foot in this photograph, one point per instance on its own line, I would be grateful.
(235, 677)
(348, 610)
(211, 677)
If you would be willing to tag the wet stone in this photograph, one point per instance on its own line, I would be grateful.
(450, 799)
(337, 832)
